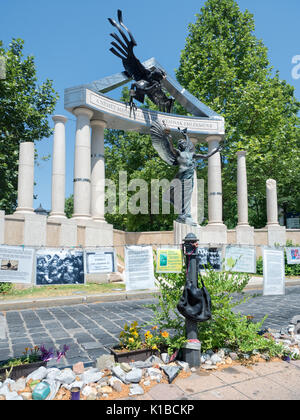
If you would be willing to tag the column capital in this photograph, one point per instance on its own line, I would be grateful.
(98, 123)
(213, 137)
(83, 111)
(241, 153)
(59, 118)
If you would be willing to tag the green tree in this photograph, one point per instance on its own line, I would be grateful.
(24, 110)
(227, 68)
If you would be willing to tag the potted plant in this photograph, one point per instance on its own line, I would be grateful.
(32, 359)
(133, 346)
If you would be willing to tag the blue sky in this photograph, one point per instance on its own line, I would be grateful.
(70, 41)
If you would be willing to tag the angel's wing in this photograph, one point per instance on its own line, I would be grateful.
(124, 50)
(162, 143)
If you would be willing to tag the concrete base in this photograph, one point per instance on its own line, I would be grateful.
(276, 235)
(191, 353)
(244, 235)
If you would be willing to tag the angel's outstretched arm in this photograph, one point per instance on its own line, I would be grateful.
(199, 156)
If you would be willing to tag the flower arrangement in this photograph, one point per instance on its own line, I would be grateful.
(34, 355)
(131, 339)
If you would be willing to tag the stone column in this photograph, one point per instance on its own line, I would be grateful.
(82, 164)
(194, 201)
(98, 170)
(215, 204)
(244, 232)
(242, 189)
(272, 206)
(58, 168)
(25, 178)
(276, 233)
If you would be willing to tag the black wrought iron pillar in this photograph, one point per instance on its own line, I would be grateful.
(192, 349)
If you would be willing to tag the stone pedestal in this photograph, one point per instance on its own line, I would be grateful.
(35, 230)
(244, 235)
(58, 168)
(214, 234)
(68, 233)
(97, 171)
(97, 233)
(276, 235)
(181, 230)
(25, 178)
(82, 165)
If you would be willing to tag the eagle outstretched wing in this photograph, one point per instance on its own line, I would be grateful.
(162, 143)
(124, 50)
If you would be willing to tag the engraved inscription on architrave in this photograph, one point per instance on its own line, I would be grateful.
(146, 116)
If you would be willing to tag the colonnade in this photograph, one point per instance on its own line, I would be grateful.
(89, 177)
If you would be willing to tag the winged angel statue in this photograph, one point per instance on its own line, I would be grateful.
(184, 157)
(147, 82)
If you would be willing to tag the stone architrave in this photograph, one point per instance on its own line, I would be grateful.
(97, 170)
(25, 178)
(276, 233)
(82, 165)
(58, 168)
(244, 232)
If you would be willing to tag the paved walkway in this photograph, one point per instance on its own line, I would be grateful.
(89, 329)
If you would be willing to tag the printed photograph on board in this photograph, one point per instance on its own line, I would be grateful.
(59, 267)
(210, 258)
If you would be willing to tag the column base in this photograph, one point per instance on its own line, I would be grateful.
(244, 234)
(24, 210)
(59, 216)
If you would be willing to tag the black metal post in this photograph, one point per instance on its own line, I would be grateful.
(192, 350)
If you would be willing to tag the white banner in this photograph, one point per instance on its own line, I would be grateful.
(240, 258)
(98, 262)
(16, 264)
(293, 255)
(139, 269)
(274, 273)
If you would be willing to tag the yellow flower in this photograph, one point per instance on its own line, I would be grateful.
(155, 327)
(135, 333)
(165, 334)
(154, 347)
(131, 340)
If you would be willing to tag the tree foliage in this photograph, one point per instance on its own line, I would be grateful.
(227, 68)
(24, 110)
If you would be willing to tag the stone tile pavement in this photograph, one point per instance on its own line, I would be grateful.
(89, 329)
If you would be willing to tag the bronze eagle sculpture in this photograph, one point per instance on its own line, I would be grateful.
(147, 82)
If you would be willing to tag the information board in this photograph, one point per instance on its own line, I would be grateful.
(274, 273)
(168, 260)
(240, 258)
(139, 269)
(98, 262)
(16, 264)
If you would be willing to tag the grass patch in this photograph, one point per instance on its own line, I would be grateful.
(61, 290)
